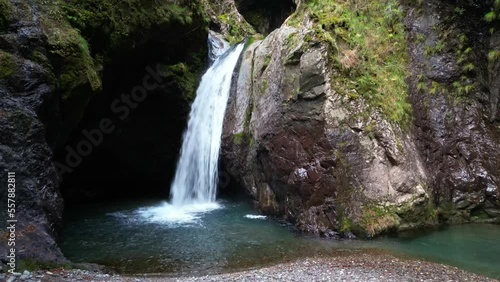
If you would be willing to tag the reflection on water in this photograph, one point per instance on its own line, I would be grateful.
(151, 237)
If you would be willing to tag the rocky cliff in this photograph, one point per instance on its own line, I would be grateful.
(368, 117)
(454, 91)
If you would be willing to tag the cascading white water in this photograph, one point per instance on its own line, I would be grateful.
(196, 176)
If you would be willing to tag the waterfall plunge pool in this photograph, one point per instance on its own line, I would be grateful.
(152, 237)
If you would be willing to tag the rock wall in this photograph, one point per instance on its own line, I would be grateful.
(26, 85)
(302, 151)
(454, 92)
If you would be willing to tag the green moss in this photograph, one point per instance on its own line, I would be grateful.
(235, 28)
(267, 61)
(493, 55)
(377, 219)
(490, 16)
(239, 138)
(7, 65)
(345, 225)
(114, 24)
(371, 52)
(5, 10)
(70, 54)
(436, 88)
(110, 27)
(291, 40)
(420, 38)
(243, 138)
(32, 265)
(185, 78)
(436, 48)
(421, 215)
(264, 86)
(236, 32)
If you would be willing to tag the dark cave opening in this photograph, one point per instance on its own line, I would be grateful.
(264, 15)
(128, 140)
(128, 149)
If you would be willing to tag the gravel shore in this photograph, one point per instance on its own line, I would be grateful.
(359, 266)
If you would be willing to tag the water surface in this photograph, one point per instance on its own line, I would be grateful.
(473, 247)
(143, 238)
(153, 237)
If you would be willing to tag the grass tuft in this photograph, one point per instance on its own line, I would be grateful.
(371, 52)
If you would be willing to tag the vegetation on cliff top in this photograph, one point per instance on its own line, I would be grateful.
(371, 58)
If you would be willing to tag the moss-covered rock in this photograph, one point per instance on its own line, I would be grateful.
(369, 51)
(5, 10)
(184, 78)
(110, 26)
(70, 55)
(7, 65)
(378, 219)
(228, 20)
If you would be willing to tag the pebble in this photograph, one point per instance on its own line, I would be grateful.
(360, 266)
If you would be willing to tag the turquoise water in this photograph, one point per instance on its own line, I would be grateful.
(153, 237)
(121, 236)
(471, 247)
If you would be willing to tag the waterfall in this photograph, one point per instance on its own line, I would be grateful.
(196, 177)
(216, 46)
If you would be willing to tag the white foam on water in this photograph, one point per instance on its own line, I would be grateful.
(176, 216)
(253, 216)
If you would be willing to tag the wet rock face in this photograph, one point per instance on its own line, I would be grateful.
(24, 86)
(303, 152)
(454, 91)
